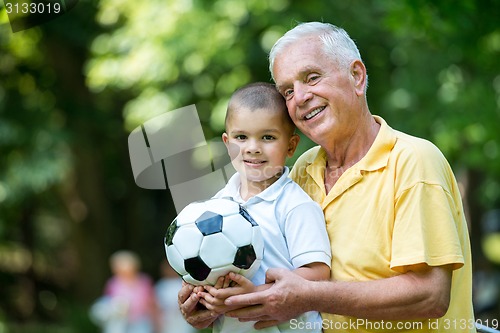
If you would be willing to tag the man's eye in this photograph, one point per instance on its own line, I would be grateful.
(288, 93)
(312, 78)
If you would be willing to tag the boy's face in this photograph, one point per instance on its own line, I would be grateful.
(258, 143)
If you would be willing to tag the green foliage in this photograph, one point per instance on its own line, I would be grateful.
(445, 81)
(35, 154)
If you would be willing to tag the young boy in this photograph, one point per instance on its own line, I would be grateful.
(259, 137)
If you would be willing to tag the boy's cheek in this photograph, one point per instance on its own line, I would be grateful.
(233, 150)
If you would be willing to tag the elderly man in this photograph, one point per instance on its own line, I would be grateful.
(401, 258)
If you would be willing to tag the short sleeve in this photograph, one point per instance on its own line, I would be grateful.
(426, 228)
(306, 235)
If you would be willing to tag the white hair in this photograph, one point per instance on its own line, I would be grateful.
(336, 42)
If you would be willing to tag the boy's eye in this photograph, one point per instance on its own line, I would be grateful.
(240, 137)
(268, 137)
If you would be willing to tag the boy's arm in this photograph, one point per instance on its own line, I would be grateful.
(315, 271)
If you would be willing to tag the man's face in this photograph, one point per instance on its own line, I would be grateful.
(320, 96)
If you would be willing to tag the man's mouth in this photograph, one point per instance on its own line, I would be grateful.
(313, 113)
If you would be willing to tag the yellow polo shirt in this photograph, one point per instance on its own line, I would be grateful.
(398, 206)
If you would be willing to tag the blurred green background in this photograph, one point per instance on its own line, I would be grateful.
(72, 89)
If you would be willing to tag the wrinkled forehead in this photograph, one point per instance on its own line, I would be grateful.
(283, 48)
(298, 59)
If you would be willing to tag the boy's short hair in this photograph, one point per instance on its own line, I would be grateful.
(259, 95)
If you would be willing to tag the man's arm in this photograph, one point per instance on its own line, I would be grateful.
(413, 295)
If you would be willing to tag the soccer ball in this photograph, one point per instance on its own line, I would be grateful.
(211, 238)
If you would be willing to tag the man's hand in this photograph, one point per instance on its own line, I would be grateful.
(277, 304)
(229, 285)
(194, 313)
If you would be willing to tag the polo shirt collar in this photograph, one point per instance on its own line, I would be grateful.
(269, 194)
(378, 155)
(375, 159)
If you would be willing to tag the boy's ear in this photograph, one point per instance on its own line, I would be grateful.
(292, 144)
(225, 138)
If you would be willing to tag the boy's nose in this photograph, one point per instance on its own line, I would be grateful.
(252, 147)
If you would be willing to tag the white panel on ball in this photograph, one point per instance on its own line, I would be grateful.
(188, 240)
(175, 259)
(187, 216)
(217, 250)
(222, 207)
(238, 230)
(218, 272)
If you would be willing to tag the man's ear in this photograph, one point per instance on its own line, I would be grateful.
(292, 144)
(358, 73)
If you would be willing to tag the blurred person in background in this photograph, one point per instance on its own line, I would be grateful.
(166, 294)
(128, 304)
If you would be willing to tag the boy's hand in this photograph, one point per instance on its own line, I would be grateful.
(229, 285)
(191, 309)
(234, 284)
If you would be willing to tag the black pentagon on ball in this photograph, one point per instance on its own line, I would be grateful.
(245, 256)
(244, 213)
(197, 268)
(209, 223)
(171, 230)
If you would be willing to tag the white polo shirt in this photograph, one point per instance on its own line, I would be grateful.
(293, 227)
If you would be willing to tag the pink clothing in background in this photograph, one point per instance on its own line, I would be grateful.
(137, 295)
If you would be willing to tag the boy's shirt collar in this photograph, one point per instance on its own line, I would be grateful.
(271, 193)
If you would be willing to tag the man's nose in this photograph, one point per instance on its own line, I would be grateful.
(301, 93)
